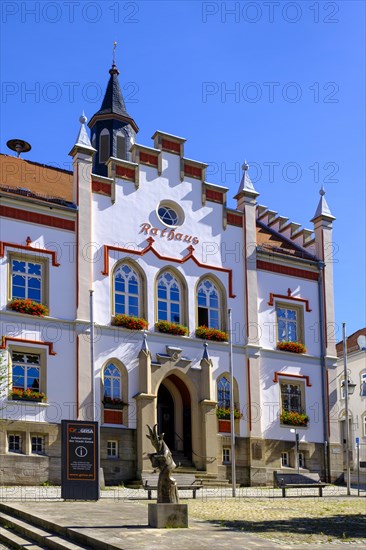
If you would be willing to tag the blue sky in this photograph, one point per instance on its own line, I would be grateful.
(280, 84)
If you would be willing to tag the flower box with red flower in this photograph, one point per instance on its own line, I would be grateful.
(113, 403)
(212, 334)
(224, 413)
(27, 395)
(129, 322)
(171, 328)
(224, 426)
(24, 305)
(224, 421)
(293, 347)
(292, 418)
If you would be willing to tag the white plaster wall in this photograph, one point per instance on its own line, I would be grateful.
(62, 287)
(120, 224)
(278, 284)
(61, 368)
(356, 365)
(289, 363)
(125, 346)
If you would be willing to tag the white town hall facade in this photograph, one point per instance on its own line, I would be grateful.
(142, 228)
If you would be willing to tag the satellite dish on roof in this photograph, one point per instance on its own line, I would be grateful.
(361, 341)
(19, 146)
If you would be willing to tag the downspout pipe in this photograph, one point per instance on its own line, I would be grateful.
(323, 367)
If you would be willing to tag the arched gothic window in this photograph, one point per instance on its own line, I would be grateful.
(169, 298)
(223, 393)
(112, 382)
(208, 300)
(126, 291)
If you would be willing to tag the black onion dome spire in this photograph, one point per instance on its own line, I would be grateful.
(113, 102)
(113, 130)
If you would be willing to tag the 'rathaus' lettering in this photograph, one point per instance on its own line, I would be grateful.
(170, 234)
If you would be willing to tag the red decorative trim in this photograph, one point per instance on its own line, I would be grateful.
(214, 196)
(249, 396)
(101, 187)
(113, 417)
(286, 270)
(324, 297)
(77, 242)
(145, 158)
(170, 146)
(192, 171)
(327, 398)
(6, 339)
(29, 248)
(288, 297)
(224, 426)
(33, 217)
(77, 376)
(246, 285)
(125, 173)
(306, 378)
(233, 219)
(150, 248)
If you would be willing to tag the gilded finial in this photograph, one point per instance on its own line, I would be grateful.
(114, 69)
(114, 52)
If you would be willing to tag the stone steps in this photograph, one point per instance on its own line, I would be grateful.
(181, 460)
(26, 531)
(12, 540)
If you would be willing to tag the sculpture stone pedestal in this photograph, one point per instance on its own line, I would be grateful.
(168, 515)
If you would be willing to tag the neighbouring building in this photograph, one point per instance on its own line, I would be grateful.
(356, 372)
(156, 243)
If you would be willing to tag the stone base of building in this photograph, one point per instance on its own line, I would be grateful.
(256, 459)
(27, 467)
(168, 516)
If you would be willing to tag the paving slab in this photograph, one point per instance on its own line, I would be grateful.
(124, 525)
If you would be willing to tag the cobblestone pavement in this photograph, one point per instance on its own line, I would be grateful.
(292, 520)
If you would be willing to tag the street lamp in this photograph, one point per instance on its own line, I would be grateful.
(232, 406)
(349, 388)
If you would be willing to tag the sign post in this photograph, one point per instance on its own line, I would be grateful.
(79, 458)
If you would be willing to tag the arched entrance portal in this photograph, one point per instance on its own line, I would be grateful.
(174, 416)
(166, 422)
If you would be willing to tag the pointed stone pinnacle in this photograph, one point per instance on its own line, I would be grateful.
(205, 355)
(144, 346)
(323, 210)
(83, 138)
(246, 186)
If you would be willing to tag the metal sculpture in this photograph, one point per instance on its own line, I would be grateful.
(163, 461)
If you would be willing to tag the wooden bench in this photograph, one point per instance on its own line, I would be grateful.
(186, 482)
(285, 481)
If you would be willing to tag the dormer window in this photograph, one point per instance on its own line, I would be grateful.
(121, 146)
(104, 146)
